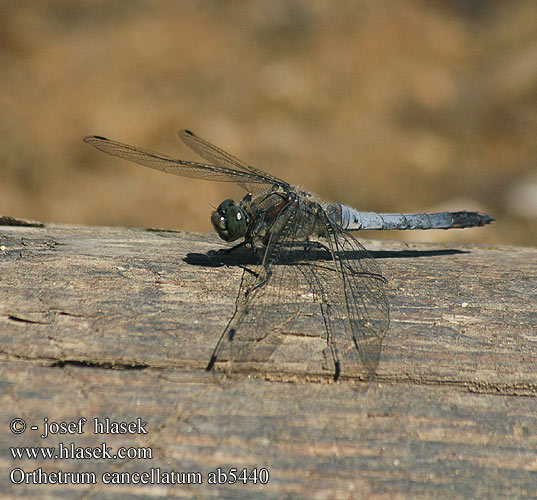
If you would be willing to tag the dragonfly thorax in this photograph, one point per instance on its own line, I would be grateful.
(230, 220)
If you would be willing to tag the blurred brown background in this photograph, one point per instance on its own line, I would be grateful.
(383, 105)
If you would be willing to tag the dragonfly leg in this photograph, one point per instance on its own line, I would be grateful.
(315, 244)
(226, 251)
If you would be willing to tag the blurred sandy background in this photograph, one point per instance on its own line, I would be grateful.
(384, 105)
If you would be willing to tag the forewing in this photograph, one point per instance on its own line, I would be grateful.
(218, 156)
(353, 301)
(247, 180)
(270, 297)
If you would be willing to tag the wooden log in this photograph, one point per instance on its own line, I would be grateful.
(121, 323)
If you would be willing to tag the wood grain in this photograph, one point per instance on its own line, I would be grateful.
(120, 323)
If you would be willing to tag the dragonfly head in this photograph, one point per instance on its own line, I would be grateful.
(230, 221)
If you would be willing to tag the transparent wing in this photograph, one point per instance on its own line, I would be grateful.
(215, 155)
(354, 305)
(348, 288)
(248, 180)
(270, 297)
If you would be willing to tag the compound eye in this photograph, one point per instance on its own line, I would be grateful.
(223, 207)
(230, 221)
(237, 224)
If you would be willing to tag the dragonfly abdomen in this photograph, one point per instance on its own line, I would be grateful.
(352, 220)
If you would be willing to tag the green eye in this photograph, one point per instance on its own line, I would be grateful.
(225, 205)
(230, 221)
(236, 222)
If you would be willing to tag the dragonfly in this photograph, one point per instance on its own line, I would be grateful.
(307, 260)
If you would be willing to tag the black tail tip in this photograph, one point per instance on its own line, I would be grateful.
(470, 219)
(486, 219)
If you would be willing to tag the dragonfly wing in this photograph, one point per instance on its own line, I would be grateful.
(353, 302)
(253, 334)
(218, 156)
(178, 167)
(269, 298)
(348, 288)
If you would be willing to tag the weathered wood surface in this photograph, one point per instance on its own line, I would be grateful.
(120, 323)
